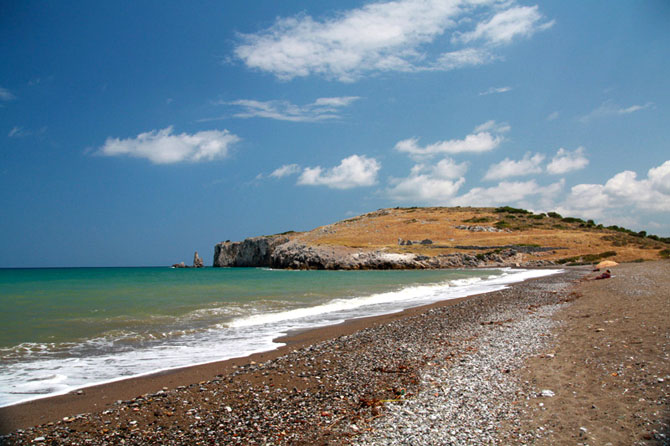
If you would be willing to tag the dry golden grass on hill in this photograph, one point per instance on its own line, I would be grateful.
(577, 238)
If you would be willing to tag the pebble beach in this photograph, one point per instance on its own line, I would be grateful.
(473, 371)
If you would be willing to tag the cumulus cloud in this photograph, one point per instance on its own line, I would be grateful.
(509, 168)
(387, 36)
(320, 110)
(6, 95)
(495, 90)
(609, 108)
(429, 184)
(354, 171)
(285, 170)
(506, 192)
(565, 161)
(660, 178)
(164, 147)
(484, 139)
(624, 191)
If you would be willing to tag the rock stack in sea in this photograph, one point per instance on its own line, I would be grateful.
(197, 263)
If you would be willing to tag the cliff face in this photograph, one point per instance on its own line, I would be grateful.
(255, 251)
(281, 252)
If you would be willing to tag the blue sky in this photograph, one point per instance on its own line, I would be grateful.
(134, 133)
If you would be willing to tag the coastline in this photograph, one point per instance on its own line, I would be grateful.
(105, 396)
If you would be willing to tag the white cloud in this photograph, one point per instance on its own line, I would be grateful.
(6, 95)
(353, 171)
(386, 36)
(285, 170)
(17, 132)
(506, 25)
(320, 110)
(506, 193)
(622, 192)
(509, 168)
(609, 108)
(163, 147)
(452, 60)
(553, 115)
(495, 90)
(660, 177)
(481, 141)
(429, 184)
(565, 161)
(493, 126)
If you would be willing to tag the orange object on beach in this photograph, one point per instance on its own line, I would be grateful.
(606, 264)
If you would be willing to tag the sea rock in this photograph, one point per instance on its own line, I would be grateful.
(197, 261)
(179, 265)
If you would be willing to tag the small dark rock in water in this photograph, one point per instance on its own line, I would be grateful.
(179, 265)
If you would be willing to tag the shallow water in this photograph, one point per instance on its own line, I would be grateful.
(70, 328)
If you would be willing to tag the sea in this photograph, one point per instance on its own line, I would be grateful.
(63, 329)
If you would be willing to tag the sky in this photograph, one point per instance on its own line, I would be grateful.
(134, 133)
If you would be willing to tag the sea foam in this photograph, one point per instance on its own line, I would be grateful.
(51, 370)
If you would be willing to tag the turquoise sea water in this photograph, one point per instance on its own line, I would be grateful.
(68, 328)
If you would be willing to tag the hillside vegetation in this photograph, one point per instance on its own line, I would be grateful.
(565, 240)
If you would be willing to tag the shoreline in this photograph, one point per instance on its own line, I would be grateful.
(102, 396)
(99, 397)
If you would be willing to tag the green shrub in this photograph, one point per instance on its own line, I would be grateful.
(665, 253)
(554, 215)
(511, 210)
(478, 220)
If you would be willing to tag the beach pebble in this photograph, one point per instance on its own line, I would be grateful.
(547, 393)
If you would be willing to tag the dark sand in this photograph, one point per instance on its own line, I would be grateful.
(101, 397)
(610, 367)
(328, 381)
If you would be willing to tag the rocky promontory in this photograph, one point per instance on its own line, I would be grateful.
(460, 237)
(283, 253)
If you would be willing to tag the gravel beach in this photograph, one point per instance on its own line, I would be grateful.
(475, 371)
